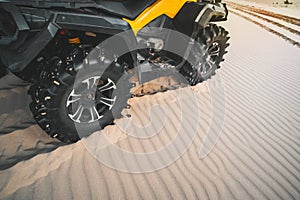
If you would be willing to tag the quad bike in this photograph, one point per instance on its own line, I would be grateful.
(46, 42)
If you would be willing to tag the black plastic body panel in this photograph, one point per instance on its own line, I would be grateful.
(17, 60)
(84, 22)
(15, 19)
(48, 21)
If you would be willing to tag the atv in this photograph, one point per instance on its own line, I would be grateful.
(49, 43)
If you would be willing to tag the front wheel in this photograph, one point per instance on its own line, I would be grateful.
(207, 54)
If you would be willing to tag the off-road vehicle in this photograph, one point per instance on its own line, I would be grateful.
(49, 42)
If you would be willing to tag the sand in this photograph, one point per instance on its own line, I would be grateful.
(256, 156)
(276, 6)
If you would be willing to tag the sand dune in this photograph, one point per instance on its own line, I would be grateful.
(20, 138)
(257, 156)
(14, 112)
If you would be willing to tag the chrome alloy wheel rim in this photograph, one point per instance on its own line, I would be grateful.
(208, 59)
(90, 99)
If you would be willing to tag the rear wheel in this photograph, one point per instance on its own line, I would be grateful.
(68, 106)
(207, 54)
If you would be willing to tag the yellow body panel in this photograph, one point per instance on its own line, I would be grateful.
(161, 7)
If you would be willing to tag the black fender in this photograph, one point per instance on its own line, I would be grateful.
(212, 13)
(194, 16)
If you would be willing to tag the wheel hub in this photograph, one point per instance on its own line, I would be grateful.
(90, 99)
(89, 96)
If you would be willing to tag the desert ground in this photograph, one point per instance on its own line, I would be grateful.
(252, 105)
